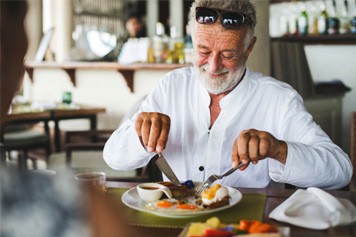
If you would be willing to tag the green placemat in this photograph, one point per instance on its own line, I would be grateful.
(251, 207)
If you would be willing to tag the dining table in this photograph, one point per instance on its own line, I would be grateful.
(270, 198)
(27, 114)
(80, 112)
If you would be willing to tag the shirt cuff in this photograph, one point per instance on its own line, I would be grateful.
(280, 172)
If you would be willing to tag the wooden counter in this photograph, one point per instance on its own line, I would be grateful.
(126, 70)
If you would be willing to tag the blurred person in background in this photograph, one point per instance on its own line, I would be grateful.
(135, 27)
(32, 203)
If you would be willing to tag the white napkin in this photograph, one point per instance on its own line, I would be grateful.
(315, 209)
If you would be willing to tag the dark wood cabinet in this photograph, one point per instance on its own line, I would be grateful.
(345, 39)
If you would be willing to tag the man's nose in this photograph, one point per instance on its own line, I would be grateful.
(214, 62)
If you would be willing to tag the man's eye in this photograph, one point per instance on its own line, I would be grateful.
(228, 55)
(205, 53)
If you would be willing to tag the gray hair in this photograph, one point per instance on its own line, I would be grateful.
(243, 6)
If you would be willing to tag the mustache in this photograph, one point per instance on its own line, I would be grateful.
(205, 68)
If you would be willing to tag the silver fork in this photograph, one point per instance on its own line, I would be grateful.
(215, 177)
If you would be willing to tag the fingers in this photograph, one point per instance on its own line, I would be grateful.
(243, 147)
(253, 149)
(163, 138)
(153, 130)
(236, 157)
(264, 146)
(251, 146)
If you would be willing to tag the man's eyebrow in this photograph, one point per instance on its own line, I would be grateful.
(200, 46)
(229, 51)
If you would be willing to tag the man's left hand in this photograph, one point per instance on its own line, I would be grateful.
(253, 145)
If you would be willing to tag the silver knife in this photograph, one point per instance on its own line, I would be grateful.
(166, 169)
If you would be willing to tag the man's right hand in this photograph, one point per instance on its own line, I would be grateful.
(153, 129)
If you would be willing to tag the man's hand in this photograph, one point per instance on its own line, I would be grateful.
(153, 130)
(253, 145)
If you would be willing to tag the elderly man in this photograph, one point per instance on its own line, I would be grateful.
(217, 114)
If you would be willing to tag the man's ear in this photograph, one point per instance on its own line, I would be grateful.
(250, 47)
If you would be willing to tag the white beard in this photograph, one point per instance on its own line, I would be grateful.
(220, 84)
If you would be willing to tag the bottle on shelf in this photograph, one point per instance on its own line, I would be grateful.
(312, 11)
(303, 21)
(352, 15)
(171, 41)
(333, 21)
(353, 25)
(160, 44)
(343, 16)
(150, 52)
(176, 47)
(293, 19)
(322, 20)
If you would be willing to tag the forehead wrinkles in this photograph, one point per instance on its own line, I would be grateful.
(217, 38)
(219, 44)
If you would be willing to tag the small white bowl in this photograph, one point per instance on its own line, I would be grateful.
(150, 192)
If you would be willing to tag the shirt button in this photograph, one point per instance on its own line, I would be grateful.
(201, 168)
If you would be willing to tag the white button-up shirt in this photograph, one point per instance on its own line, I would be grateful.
(195, 152)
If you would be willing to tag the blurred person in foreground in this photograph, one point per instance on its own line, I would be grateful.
(35, 204)
(218, 114)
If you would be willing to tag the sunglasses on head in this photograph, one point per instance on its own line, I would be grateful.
(229, 19)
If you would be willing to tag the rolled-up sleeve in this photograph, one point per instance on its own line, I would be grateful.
(312, 159)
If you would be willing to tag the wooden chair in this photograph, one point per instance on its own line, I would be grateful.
(83, 152)
(24, 135)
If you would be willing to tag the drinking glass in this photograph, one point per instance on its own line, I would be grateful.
(92, 180)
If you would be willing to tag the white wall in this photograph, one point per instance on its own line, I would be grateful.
(327, 62)
(105, 88)
(259, 59)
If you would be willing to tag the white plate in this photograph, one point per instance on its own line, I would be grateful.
(131, 199)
